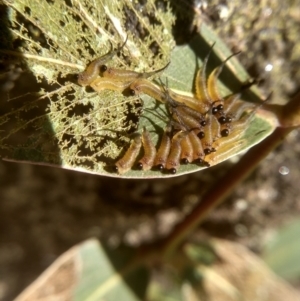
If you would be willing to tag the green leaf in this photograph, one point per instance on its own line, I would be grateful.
(157, 292)
(90, 272)
(106, 275)
(221, 278)
(282, 253)
(87, 131)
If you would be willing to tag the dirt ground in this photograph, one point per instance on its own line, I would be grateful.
(44, 211)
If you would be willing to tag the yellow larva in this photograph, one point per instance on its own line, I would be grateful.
(102, 83)
(126, 162)
(91, 72)
(173, 160)
(187, 154)
(198, 152)
(164, 149)
(145, 86)
(212, 86)
(204, 127)
(127, 75)
(149, 152)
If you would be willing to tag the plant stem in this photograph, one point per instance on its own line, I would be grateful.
(224, 186)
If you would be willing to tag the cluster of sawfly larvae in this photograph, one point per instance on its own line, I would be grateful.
(200, 128)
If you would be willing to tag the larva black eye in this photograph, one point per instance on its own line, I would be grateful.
(185, 161)
(206, 164)
(224, 133)
(228, 119)
(203, 123)
(173, 171)
(132, 92)
(207, 151)
(201, 135)
(103, 68)
(160, 167)
(115, 168)
(214, 110)
(199, 161)
(139, 165)
(222, 119)
(220, 107)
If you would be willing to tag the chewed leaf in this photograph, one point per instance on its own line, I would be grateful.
(66, 124)
(90, 131)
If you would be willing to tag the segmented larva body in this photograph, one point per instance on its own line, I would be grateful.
(202, 128)
(163, 149)
(102, 83)
(126, 162)
(190, 101)
(144, 86)
(147, 161)
(187, 152)
(86, 77)
(173, 160)
(120, 80)
(127, 75)
(185, 110)
(195, 133)
(198, 151)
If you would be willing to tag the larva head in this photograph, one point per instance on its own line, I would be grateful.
(225, 133)
(108, 72)
(83, 79)
(103, 68)
(160, 167)
(207, 151)
(206, 164)
(229, 119)
(222, 119)
(134, 88)
(220, 107)
(199, 161)
(185, 161)
(139, 165)
(217, 110)
(173, 171)
(146, 162)
(126, 162)
(201, 135)
(115, 168)
(214, 110)
(132, 92)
